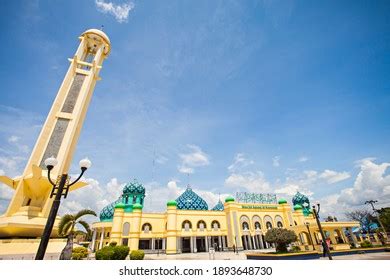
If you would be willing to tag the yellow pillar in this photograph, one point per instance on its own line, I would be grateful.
(233, 224)
(117, 223)
(135, 226)
(171, 244)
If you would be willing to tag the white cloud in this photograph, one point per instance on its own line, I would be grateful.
(13, 139)
(120, 12)
(372, 182)
(185, 169)
(240, 161)
(290, 190)
(194, 158)
(333, 176)
(276, 161)
(303, 159)
(251, 181)
(95, 196)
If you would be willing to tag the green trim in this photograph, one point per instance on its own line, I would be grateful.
(172, 203)
(229, 199)
(137, 206)
(120, 205)
(282, 201)
(297, 207)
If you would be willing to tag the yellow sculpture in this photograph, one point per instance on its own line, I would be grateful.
(30, 205)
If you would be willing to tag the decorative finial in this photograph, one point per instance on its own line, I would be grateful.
(102, 27)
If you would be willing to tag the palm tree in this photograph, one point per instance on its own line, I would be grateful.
(67, 227)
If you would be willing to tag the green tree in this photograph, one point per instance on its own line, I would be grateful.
(281, 237)
(384, 216)
(67, 227)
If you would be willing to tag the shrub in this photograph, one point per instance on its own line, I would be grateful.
(137, 255)
(295, 249)
(112, 253)
(104, 253)
(79, 253)
(120, 252)
(366, 244)
(281, 237)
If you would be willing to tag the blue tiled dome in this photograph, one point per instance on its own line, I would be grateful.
(218, 206)
(303, 201)
(189, 200)
(134, 188)
(107, 212)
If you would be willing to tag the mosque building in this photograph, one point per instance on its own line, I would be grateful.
(188, 225)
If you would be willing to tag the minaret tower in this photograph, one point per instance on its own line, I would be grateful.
(30, 205)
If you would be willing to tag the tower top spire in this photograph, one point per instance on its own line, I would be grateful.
(96, 34)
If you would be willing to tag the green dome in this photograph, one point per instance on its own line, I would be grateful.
(229, 199)
(108, 212)
(120, 205)
(297, 207)
(172, 203)
(282, 201)
(133, 188)
(137, 206)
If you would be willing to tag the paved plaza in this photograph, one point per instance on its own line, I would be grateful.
(242, 256)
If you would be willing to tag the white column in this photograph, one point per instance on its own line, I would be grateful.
(93, 240)
(254, 242)
(163, 244)
(220, 242)
(223, 243)
(192, 244)
(153, 244)
(250, 242)
(207, 243)
(101, 239)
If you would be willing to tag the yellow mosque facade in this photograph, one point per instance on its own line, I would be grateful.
(189, 226)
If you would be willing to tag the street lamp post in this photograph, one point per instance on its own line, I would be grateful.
(311, 239)
(60, 188)
(324, 244)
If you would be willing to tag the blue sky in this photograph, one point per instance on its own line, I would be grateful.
(265, 96)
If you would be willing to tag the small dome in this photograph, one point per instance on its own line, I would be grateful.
(229, 199)
(134, 188)
(282, 201)
(297, 207)
(172, 203)
(137, 206)
(96, 32)
(108, 212)
(218, 206)
(189, 200)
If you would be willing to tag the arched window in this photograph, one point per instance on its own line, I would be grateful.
(257, 225)
(201, 225)
(215, 225)
(268, 225)
(186, 225)
(279, 224)
(146, 227)
(245, 226)
(126, 229)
